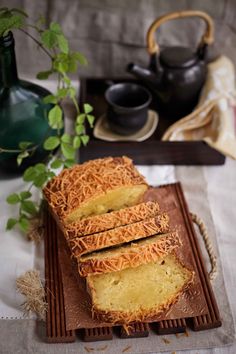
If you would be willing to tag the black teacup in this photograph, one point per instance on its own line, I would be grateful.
(127, 107)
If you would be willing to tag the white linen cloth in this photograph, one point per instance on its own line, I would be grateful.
(213, 119)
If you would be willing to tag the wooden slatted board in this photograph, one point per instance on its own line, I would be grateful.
(56, 328)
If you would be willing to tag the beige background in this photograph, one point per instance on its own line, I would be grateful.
(111, 33)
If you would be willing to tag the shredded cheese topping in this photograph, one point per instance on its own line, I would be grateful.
(129, 256)
(99, 223)
(76, 185)
(119, 235)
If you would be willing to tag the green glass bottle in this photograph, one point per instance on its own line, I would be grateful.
(23, 115)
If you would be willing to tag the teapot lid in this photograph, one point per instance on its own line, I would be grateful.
(178, 57)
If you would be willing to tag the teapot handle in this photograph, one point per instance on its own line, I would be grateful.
(207, 38)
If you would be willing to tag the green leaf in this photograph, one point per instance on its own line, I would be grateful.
(50, 99)
(62, 93)
(84, 139)
(43, 75)
(80, 58)
(66, 138)
(65, 62)
(55, 117)
(49, 38)
(68, 151)
(69, 163)
(66, 80)
(13, 199)
(36, 174)
(90, 119)
(81, 118)
(87, 108)
(61, 67)
(63, 43)
(9, 23)
(25, 195)
(40, 180)
(24, 224)
(61, 63)
(29, 207)
(51, 174)
(24, 144)
(72, 92)
(56, 163)
(55, 27)
(51, 143)
(40, 168)
(72, 65)
(76, 142)
(29, 174)
(11, 223)
(79, 129)
(21, 156)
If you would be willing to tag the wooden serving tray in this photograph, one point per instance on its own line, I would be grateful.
(57, 301)
(149, 152)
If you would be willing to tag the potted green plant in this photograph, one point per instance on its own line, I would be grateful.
(45, 109)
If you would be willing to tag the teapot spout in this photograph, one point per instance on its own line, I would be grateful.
(147, 76)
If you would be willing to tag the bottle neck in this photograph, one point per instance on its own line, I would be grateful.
(8, 68)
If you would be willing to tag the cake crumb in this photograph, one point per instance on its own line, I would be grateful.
(173, 353)
(128, 329)
(186, 334)
(166, 341)
(88, 349)
(102, 348)
(126, 349)
(177, 335)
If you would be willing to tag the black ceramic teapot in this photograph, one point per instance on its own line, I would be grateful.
(176, 74)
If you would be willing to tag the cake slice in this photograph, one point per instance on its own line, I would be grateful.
(130, 255)
(94, 187)
(138, 294)
(107, 221)
(123, 234)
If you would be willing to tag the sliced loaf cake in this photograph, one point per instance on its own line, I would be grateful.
(94, 187)
(111, 220)
(120, 235)
(138, 294)
(130, 255)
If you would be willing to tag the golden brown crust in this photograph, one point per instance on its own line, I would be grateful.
(119, 317)
(131, 255)
(120, 235)
(100, 223)
(76, 185)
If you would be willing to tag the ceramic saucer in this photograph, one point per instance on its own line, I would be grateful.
(103, 132)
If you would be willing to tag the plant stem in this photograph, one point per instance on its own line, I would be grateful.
(15, 150)
(8, 150)
(18, 150)
(34, 27)
(36, 41)
(76, 104)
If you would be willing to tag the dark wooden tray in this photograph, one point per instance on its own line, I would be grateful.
(55, 294)
(149, 152)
